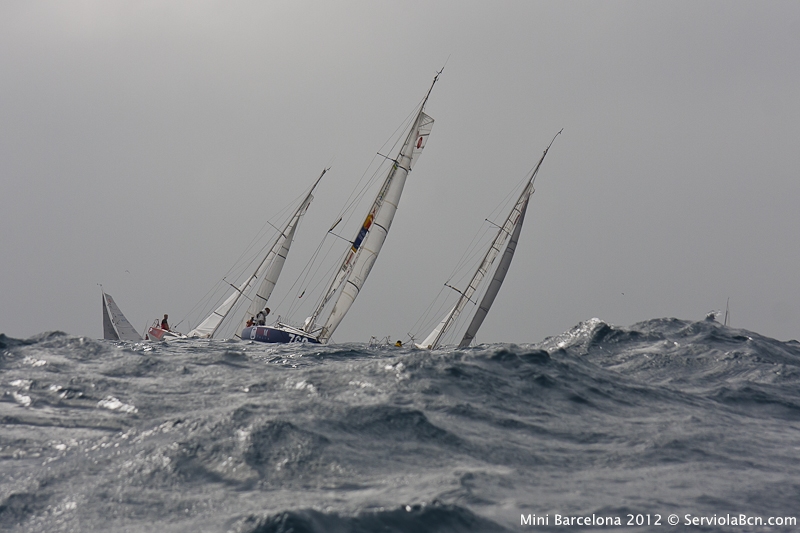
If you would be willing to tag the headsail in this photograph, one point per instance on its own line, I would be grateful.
(115, 325)
(269, 268)
(512, 227)
(369, 240)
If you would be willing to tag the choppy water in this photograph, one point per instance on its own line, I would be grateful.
(663, 417)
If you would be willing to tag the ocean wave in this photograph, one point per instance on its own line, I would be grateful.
(235, 436)
(433, 518)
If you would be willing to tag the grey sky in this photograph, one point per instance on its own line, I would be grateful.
(151, 137)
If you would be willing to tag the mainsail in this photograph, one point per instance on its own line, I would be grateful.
(497, 280)
(366, 246)
(269, 269)
(511, 227)
(115, 326)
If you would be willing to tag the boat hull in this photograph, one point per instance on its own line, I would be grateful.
(158, 334)
(276, 335)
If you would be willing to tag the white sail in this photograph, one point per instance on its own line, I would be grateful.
(497, 281)
(276, 262)
(365, 248)
(358, 264)
(208, 327)
(511, 227)
(272, 264)
(115, 325)
(434, 335)
(479, 274)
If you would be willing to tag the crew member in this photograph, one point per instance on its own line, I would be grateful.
(165, 324)
(262, 316)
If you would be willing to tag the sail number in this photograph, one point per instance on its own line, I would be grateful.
(297, 338)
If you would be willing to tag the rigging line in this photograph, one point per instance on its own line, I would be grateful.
(353, 198)
(329, 271)
(281, 214)
(339, 236)
(461, 293)
(498, 226)
(430, 315)
(398, 137)
(331, 275)
(472, 249)
(303, 275)
(475, 249)
(302, 278)
(292, 208)
(206, 299)
(395, 161)
(242, 267)
(467, 250)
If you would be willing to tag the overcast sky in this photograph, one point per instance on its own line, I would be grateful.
(141, 143)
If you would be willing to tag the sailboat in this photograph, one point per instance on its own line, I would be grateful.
(268, 271)
(115, 326)
(727, 321)
(362, 252)
(509, 231)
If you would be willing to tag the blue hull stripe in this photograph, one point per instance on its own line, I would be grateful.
(274, 335)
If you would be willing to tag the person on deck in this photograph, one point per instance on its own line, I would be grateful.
(165, 324)
(250, 322)
(262, 317)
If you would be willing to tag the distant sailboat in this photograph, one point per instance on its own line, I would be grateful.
(268, 271)
(510, 230)
(115, 326)
(363, 250)
(727, 321)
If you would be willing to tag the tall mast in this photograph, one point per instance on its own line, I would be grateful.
(512, 224)
(272, 263)
(366, 246)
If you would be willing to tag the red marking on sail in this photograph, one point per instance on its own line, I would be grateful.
(419, 142)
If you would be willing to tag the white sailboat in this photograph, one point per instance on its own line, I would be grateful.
(363, 250)
(115, 326)
(509, 231)
(268, 271)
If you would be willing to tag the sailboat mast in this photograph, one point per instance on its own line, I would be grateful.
(502, 234)
(366, 246)
(509, 228)
(211, 324)
(277, 257)
(497, 280)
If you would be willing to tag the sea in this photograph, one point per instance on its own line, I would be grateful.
(664, 425)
